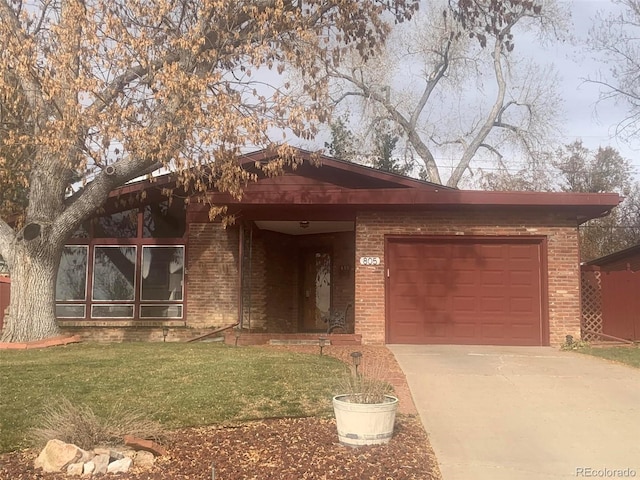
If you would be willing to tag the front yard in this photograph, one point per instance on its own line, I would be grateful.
(249, 412)
(177, 384)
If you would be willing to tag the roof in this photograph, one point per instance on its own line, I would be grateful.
(319, 180)
(616, 256)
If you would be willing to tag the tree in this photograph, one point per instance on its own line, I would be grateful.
(575, 168)
(605, 170)
(98, 92)
(342, 143)
(616, 38)
(376, 150)
(467, 95)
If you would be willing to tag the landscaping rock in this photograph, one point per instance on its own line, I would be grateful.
(102, 462)
(143, 459)
(57, 455)
(88, 468)
(120, 466)
(75, 469)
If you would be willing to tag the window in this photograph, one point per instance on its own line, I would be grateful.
(120, 271)
(162, 220)
(117, 225)
(114, 273)
(71, 282)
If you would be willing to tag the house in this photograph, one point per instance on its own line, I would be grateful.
(610, 291)
(419, 262)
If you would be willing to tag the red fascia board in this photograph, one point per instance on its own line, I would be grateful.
(379, 197)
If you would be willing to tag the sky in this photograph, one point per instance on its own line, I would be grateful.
(586, 119)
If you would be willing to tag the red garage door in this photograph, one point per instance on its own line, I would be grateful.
(465, 291)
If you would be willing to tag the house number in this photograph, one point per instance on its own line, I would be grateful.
(369, 260)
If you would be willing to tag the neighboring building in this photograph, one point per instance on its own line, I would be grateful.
(419, 262)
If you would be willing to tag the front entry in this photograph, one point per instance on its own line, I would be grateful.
(315, 289)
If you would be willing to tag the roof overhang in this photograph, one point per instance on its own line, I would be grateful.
(332, 183)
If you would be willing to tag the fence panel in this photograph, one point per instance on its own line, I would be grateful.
(621, 304)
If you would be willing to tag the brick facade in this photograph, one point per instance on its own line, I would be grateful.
(212, 275)
(563, 285)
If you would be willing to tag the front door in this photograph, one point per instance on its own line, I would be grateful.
(315, 289)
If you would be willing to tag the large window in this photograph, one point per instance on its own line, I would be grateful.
(71, 283)
(123, 272)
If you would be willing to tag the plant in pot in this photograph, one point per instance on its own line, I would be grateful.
(365, 410)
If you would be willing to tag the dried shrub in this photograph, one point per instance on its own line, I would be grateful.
(368, 387)
(78, 424)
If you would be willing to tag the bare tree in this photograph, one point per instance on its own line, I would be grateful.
(575, 168)
(467, 94)
(95, 93)
(617, 39)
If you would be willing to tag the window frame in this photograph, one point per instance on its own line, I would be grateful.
(139, 242)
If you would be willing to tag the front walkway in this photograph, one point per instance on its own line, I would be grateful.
(525, 413)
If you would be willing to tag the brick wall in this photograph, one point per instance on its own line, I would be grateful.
(562, 258)
(134, 334)
(212, 275)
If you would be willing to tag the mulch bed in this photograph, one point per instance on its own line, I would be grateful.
(302, 448)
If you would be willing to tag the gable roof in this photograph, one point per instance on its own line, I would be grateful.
(319, 180)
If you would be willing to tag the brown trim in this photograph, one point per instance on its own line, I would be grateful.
(540, 240)
(386, 196)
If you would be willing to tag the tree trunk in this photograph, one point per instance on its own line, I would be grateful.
(33, 282)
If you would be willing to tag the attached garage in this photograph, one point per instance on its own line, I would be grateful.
(478, 290)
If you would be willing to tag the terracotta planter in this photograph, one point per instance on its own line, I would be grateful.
(363, 423)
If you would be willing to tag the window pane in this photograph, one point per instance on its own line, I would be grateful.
(112, 311)
(70, 311)
(323, 286)
(161, 311)
(162, 273)
(164, 221)
(71, 282)
(117, 225)
(114, 273)
(82, 231)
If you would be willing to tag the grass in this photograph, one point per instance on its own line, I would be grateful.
(176, 384)
(628, 355)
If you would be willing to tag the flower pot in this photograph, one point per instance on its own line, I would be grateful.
(363, 423)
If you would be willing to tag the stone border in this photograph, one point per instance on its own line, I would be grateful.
(48, 342)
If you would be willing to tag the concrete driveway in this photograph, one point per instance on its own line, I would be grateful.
(520, 413)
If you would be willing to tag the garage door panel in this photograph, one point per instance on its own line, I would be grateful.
(467, 291)
(493, 278)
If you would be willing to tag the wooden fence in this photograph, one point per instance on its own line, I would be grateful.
(610, 304)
